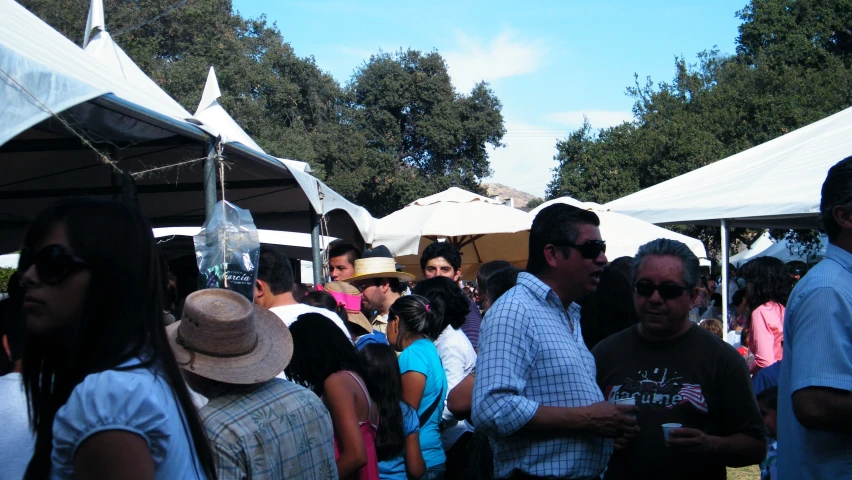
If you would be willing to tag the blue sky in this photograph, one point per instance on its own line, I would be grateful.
(549, 62)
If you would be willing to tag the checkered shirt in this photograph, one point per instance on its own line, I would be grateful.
(272, 430)
(529, 356)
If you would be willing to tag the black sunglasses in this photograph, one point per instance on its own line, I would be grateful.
(590, 249)
(667, 291)
(53, 263)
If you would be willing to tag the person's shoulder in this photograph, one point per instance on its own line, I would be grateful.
(705, 342)
(615, 343)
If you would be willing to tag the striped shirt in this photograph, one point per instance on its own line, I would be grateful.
(531, 354)
(817, 353)
(271, 430)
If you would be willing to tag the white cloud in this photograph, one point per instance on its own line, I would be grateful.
(597, 118)
(505, 56)
(526, 161)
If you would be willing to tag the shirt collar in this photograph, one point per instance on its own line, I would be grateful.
(538, 288)
(839, 255)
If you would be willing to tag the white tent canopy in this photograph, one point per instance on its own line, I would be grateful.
(482, 228)
(101, 95)
(624, 235)
(764, 246)
(776, 184)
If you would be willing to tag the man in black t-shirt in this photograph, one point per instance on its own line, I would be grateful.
(677, 373)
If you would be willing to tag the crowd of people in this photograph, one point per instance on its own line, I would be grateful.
(574, 367)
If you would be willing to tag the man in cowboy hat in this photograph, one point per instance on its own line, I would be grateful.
(380, 285)
(257, 425)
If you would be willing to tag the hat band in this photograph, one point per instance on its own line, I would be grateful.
(350, 302)
(193, 350)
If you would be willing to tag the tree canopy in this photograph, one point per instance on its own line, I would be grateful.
(396, 131)
(793, 66)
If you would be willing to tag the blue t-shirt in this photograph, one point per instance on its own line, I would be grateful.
(422, 357)
(395, 467)
(817, 353)
(138, 401)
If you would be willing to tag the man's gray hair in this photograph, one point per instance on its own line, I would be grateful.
(672, 248)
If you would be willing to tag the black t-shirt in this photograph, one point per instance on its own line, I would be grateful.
(696, 380)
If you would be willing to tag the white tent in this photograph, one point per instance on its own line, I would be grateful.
(776, 184)
(482, 228)
(757, 247)
(764, 246)
(101, 96)
(624, 235)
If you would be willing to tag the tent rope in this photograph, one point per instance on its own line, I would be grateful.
(103, 158)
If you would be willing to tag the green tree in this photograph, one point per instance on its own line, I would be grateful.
(425, 136)
(534, 203)
(398, 131)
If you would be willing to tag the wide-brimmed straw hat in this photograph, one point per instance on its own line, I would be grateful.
(224, 337)
(349, 298)
(377, 267)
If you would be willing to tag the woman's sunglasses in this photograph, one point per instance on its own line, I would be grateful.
(667, 291)
(53, 263)
(589, 250)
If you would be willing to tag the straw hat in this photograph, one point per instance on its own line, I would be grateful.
(350, 298)
(377, 267)
(224, 337)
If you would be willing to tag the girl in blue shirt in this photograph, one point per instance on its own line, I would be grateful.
(106, 396)
(413, 325)
(398, 440)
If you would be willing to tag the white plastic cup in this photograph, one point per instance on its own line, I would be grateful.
(627, 401)
(668, 427)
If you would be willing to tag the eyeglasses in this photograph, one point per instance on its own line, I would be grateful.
(53, 263)
(589, 250)
(667, 291)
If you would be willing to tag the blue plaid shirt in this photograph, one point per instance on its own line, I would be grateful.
(275, 429)
(529, 356)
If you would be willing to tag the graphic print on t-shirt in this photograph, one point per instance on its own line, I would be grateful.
(658, 388)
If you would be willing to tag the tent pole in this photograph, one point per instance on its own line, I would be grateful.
(210, 180)
(723, 244)
(315, 247)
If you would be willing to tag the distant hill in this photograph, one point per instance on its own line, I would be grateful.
(520, 198)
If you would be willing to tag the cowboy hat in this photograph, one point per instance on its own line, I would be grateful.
(378, 252)
(350, 298)
(224, 337)
(377, 267)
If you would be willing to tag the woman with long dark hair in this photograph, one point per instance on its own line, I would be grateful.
(457, 357)
(398, 439)
(767, 289)
(325, 361)
(106, 396)
(412, 322)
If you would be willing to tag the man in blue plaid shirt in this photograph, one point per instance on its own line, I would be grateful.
(535, 392)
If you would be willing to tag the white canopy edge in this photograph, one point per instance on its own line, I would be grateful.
(776, 183)
(270, 237)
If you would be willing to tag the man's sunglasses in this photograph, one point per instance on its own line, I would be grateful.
(590, 249)
(667, 291)
(53, 263)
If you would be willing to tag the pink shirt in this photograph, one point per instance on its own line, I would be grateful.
(767, 332)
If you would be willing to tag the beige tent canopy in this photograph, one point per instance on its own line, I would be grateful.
(481, 228)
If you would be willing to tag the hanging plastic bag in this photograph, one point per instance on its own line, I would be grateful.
(227, 250)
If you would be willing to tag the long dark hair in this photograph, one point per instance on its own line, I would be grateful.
(768, 281)
(121, 320)
(456, 306)
(320, 349)
(419, 315)
(381, 374)
(610, 309)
